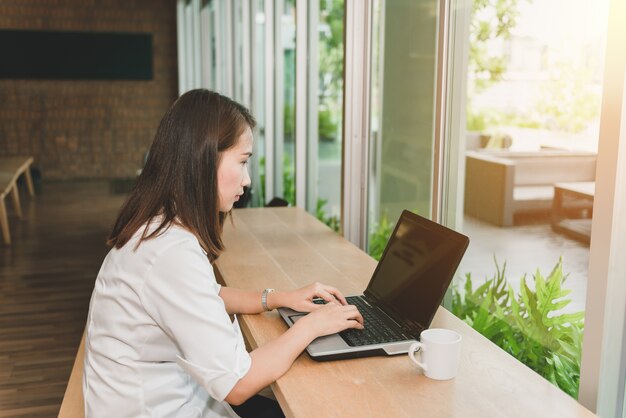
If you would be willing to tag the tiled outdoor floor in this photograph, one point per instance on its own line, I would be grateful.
(525, 248)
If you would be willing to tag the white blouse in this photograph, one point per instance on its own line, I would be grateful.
(159, 342)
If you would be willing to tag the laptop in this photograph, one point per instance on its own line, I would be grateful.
(401, 299)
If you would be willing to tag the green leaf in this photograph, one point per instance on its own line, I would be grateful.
(530, 325)
(566, 374)
(468, 284)
(483, 313)
(565, 319)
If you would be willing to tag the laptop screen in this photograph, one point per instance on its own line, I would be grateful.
(416, 269)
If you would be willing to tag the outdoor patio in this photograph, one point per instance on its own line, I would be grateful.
(525, 249)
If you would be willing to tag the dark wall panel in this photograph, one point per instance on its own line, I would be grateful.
(27, 54)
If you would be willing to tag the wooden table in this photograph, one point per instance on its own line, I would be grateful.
(286, 248)
(572, 208)
(11, 168)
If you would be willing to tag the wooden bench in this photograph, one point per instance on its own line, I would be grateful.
(73, 405)
(11, 168)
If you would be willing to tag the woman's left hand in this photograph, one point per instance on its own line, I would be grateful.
(302, 299)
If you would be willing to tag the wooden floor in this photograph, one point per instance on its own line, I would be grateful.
(46, 279)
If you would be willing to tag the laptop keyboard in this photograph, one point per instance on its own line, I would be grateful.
(376, 330)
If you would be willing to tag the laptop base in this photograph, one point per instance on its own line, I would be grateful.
(333, 347)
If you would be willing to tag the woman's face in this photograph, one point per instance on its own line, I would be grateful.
(232, 172)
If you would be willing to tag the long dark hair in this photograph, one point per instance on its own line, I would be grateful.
(179, 180)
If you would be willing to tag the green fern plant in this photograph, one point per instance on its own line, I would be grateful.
(379, 235)
(530, 325)
(332, 221)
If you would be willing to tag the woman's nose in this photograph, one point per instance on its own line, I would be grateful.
(246, 178)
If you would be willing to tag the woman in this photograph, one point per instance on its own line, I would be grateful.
(160, 341)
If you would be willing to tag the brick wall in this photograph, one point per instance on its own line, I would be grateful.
(88, 129)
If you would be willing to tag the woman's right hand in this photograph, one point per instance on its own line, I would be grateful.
(332, 318)
(270, 361)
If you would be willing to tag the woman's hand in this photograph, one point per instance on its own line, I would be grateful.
(331, 318)
(302, 299)
(272, 360)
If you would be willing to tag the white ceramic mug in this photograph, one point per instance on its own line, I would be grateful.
(440, 350)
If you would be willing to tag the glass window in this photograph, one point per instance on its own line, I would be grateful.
(207, 26)
(624, 404)
(528, 160)
(402, 117)
(330, 58)
(285, 100)
(238, 36)
(526, 165)
(258, 22)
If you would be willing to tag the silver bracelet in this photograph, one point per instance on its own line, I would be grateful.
(264, 298)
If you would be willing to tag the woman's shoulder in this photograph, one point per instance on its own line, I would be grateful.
(173, 236)
(153, 240)
(176, 260)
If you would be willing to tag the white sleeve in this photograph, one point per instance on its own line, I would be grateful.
(181, 295)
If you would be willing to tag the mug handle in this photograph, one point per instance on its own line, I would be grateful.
(415, 347)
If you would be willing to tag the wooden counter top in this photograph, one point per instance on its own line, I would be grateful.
(285, 248)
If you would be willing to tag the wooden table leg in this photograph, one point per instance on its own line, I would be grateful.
(29, 182)
(4, 222)
(15, 195)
